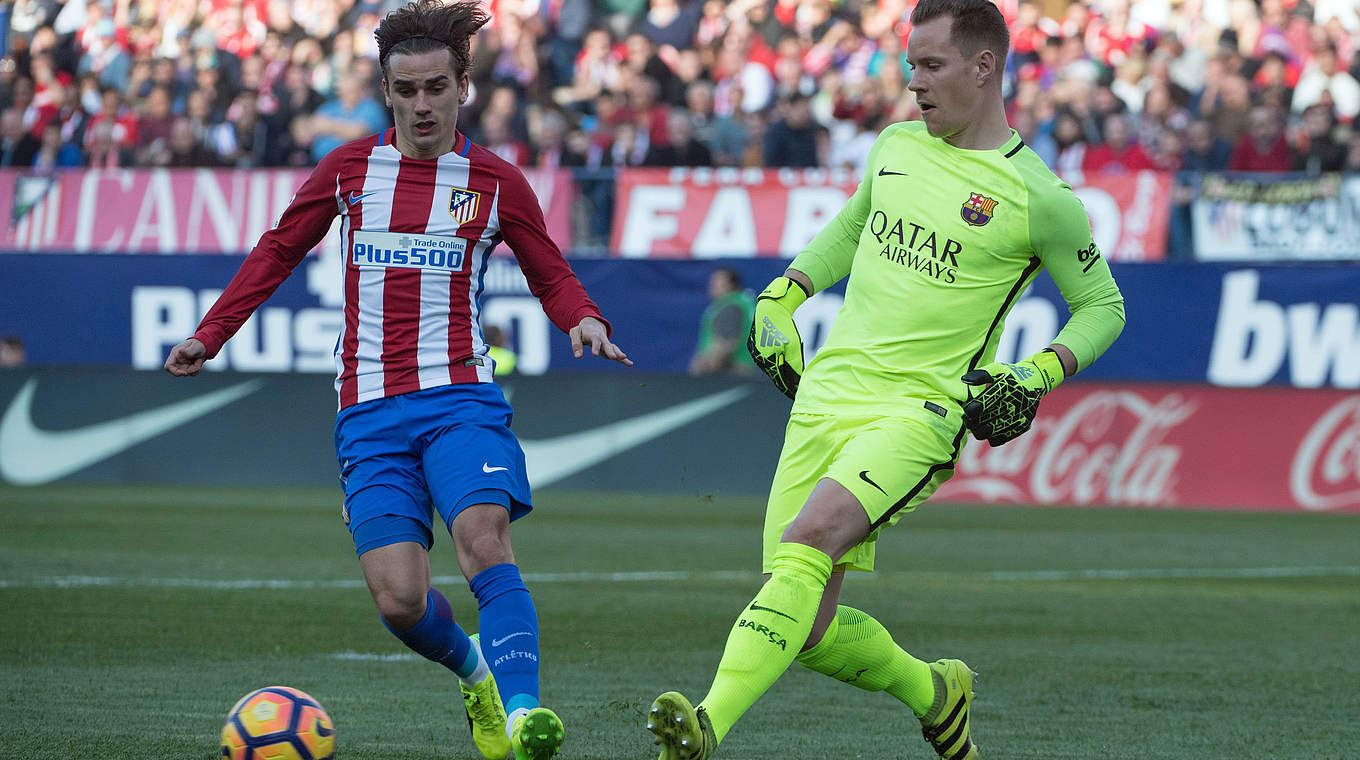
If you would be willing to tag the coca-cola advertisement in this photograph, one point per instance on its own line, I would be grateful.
(1175, 446)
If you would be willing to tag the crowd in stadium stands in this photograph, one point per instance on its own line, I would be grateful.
(1101, 85)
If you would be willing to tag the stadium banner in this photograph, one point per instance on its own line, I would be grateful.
(1274, 217)
(714, 213)
(1103, 444)
(172, 211)
(1187, 322)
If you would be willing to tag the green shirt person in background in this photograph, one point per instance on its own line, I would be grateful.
(723, 327)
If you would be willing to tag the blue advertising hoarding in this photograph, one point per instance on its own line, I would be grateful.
(1229, 325)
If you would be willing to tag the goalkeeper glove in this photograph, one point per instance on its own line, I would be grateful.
(1006, 406)
(774, 342)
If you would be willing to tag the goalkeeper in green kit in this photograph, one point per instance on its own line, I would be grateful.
(953, 218)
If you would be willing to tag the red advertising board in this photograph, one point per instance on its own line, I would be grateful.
(705, 213)
(182, 210)
(1176, 446)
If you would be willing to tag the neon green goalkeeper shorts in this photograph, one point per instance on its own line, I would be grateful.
(890, 464)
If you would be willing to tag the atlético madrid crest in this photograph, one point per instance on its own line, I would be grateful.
(463, 205)
(977, 210)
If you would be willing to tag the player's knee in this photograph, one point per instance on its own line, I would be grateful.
(400, 608)
(478, 550)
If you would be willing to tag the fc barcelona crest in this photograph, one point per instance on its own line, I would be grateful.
(463, 205)
(977, 210)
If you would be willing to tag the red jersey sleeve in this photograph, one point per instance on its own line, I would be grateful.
(549, 275)
(300, 228)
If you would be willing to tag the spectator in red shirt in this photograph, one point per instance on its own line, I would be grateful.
(1118, 154)
(1263, 148)
(112, 133)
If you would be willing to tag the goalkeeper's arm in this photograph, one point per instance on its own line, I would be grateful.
(1010, 395)
(774, 342)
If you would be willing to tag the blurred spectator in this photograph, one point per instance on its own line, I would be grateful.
(153, 129)
(724, 136)
(55, 153)
(498, 350)
(1204, 150)
(670, 23)
(681, 148)
(1118, 154)
(496, 137)
(628, 148)
(185, 149)
(723, 326)
(794, 139)
(1263, 148)
(352, 114)
(111, 136)
(17, 145)
(1318, 150)
(1324, 78)
(553, 150)
(12, 352)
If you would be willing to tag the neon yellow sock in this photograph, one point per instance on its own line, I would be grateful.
(768, 634)
(857, 649)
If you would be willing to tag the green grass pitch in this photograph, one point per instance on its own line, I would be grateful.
(132, 618)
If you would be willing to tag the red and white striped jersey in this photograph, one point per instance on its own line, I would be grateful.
(417, 236)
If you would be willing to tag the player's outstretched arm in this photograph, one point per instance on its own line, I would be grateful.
(1005, 407)
(774, 342)
(186, 358)
(591, 332)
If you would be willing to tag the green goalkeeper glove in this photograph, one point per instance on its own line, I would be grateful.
(1006, 406)
(774, 342)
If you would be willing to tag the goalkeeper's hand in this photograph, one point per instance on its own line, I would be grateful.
(1006, 405)
(774, 342)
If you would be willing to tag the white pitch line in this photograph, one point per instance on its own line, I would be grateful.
(1172, 573)
(1175, 573)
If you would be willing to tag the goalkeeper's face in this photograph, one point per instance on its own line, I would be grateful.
(424, 91)
(946, 82)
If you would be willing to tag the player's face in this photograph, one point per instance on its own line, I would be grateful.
(424, 91)
(944, 80)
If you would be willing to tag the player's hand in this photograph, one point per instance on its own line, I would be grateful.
(592, 332)
(186, 358)
(774, 342)
(1009, 399)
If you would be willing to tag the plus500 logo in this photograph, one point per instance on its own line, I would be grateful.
(408, 251)
(1254, 338)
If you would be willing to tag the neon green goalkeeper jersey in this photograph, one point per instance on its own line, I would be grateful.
(939, 243)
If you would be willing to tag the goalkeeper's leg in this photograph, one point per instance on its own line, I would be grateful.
(856, 649)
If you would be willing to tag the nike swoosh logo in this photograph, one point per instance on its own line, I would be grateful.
(488, 469)
(31, 456)
(757, 607)
(885, 173)
(502, 640)
(864, 476)
(354, 197)
(552, 459)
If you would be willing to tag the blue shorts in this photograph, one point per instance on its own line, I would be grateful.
(441, 450)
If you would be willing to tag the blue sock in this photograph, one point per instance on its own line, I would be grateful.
(439, 638)
(509, 634)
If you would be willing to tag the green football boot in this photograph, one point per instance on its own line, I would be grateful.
(486, 716)
(945, 724)
(683, 732)
(537, 735)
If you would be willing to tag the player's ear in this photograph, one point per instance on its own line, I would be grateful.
(387, 98)
(985, 66)
(464, 88)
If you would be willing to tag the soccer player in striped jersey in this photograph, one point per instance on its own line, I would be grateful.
(422, 427)
(953, 218)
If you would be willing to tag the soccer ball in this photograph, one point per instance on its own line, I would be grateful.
(278, 723)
